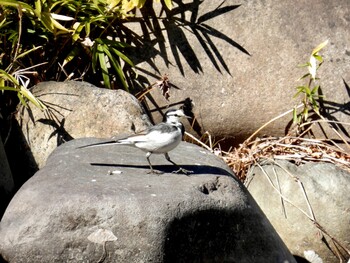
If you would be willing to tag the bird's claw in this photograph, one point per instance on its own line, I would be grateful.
(183, 171)
(155, 172)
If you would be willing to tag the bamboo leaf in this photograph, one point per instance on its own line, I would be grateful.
(117, 67)
(305, 113)
(319, 59)
(140, 3)
(9, 77)
(72, 54)
(45, 19)
(17, 4)
(57, 25)
(315, 89)
(61, 17)
(319, 47)
(304, 65)
(305, 76)
(94, 57)
(123, 57)
(78, 27)
(8, 88)
(28, 51)
(168, 4)
(103, 65)
(22, 100)
(307, 91)
(295, 116)
(26, 93)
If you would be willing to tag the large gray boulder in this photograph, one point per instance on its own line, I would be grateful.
(73, 109)
(75, 210)
(325, 186)
(206, 60)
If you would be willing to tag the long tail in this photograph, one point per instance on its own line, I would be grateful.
(101, 144)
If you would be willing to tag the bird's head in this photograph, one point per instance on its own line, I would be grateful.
(174, 115)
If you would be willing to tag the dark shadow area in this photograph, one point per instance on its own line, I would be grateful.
(168, 34)
(5, 199)
(196, 169)
(204, 236)
(20, 158)
(300, 259)
(182, 20)
(59, 130)
(219, 235)
(2, 260)
(329, 108)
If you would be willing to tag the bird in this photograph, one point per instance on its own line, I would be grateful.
(158, 139)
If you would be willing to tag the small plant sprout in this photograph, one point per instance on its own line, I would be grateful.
(310, 90)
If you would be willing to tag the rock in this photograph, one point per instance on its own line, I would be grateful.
(77, 109)
(208, 61)
(327, 189)
(74, 210)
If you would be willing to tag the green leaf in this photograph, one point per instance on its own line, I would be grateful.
(94, 57)
(300, 89)
(26, 93)
(38, 8)
(318, 57)
(116, 66)
(304, 65)
(315, 89)
(9, 77)
(305, 113)
(295, 116)
(22, 92)
(58, 25)
(168, 4)
(45, 19)
(27, 52)
(319, 47)
(17, 4)
(71, 55)
(305, 76)
(140, 3)
(123, 57)
(307, 91)
(8, 88)
(113, 43)
(103, 65)
(78, 27)
(22, 100)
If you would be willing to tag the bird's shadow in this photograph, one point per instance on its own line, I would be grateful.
(196, 169)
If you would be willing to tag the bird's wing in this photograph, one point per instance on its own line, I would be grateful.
(144, 136)
(162, 128)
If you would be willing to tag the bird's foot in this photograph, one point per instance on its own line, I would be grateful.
(183, 171)
(155, 172)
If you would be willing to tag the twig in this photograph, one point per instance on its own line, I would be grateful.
(270, 121)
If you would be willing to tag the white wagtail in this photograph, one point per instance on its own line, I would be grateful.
(158, 139)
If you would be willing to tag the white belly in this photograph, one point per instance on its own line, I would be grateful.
(161, 143)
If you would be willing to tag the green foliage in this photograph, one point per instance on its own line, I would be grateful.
(76, 39)
(309, 91)
(22, 91)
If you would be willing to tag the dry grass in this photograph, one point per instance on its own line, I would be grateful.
(297, 149)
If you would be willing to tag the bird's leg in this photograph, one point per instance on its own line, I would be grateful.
(180, 169)
(150, 165)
